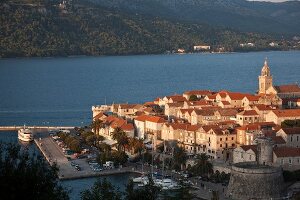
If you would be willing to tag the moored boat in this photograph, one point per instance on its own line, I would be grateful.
(25, 135)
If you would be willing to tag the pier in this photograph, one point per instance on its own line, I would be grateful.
(15, 128)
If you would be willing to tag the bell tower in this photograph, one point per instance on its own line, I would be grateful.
(265, 79)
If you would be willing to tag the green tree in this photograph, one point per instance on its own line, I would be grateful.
(120, 136)
(202, 167)
(27, 176)
(101, 190)
(193, 98)
(179, 158)
(96, 125)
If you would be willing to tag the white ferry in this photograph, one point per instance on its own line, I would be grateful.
(25, 134)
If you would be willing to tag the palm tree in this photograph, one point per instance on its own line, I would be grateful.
(96, 125)
(204, 165)
(120, 136)
(136, 145)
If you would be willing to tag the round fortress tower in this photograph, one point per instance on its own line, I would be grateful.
(257, 180)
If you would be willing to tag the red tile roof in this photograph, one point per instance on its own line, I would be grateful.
(176, 98)
(204, 112)
(236, 95)
(198, 92)
(227, 112)
(287, 113)
(155, 119)
(252, 97)
(248, 113)
(264, 107)
(287, 88)
(176, 105)
(256, 126)
(287, 152)
(142, 118)
(225, 103)
(127, 127)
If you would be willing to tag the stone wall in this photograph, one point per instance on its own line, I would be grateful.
(252, 181)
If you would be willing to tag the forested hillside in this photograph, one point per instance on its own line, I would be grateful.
(45, 29)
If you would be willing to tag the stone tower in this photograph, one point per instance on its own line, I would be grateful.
(265, 79)
(264, 151)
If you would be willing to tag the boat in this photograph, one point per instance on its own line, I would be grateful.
(140, 179)
(25, 134)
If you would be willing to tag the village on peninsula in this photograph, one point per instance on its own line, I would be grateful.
(252, 136)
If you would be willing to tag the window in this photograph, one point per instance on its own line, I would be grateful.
(242, 156)
(226, 139)
(297, 138)
(290, 161)
(220, 145)
(220, 139)
(232, 138)
(249, 157)
(291, 138)
(282, 161)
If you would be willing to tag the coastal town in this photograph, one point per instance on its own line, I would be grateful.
(228, 127)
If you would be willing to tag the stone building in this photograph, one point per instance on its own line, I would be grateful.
(257, 180)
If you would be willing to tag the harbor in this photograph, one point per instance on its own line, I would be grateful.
(54, 154)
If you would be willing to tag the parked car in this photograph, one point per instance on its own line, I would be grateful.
(77, 168)
(108, 165)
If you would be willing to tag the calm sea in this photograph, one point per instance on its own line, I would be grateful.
(61, 91)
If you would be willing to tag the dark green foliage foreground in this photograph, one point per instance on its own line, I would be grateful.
(43, 29)
(24, 176)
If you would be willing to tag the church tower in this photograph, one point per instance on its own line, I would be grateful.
(265, 79)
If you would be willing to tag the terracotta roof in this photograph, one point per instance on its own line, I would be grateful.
(206, 128)
(177, 98)
(176, 105)
(193, 127)
(287, 88)
(189, 110)
(148, 110)
(222, 94)
(247, 147)
(236, 95)
(264, 107)
(248, 113)
(118, 123)
(150, 103)
(127, 106)
(257, 126)
(204, 112)
(292, 131)
(198, 92)
(127, 127)
(98, 116)
(142, 118)
(201, 102)
(213, 96)
(287, 152)
(227, 112)
(287, 113)
(252, 97)
(155, 119)
(225, 103)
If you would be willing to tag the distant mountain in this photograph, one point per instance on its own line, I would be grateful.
(83, 28)
(250, 16)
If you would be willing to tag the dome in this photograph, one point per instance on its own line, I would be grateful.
(265, 71)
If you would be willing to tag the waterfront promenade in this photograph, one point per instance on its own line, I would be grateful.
(35, 128)
(54, 154)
